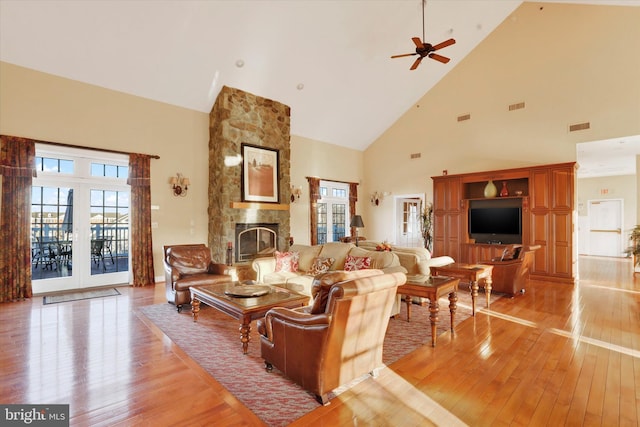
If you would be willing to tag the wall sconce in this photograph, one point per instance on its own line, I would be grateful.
(179, 184)
(377, 197)
(296, 192)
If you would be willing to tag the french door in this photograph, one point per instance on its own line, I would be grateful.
(333, 211)
(79, 220)
(408, 230)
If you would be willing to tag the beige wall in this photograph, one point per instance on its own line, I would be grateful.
(310, 158)
(44, 107)
(568, 63)
(605, 188)
(49, 108)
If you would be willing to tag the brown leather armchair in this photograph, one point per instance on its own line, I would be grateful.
(189, 265)
(511, 271)
(340, 338)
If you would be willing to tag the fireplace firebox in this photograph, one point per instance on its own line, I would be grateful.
(254, 240)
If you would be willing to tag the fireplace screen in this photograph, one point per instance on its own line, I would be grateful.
(255, 240)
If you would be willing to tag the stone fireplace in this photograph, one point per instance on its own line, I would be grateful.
(239, 117)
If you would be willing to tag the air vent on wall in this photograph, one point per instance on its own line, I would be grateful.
(518, 106)
(579, 126)
(464, 117)
(416, 155)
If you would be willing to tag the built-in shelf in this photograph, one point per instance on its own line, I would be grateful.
(498, 198)
(258, 205)
(475, 190)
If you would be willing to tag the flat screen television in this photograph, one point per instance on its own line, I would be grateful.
(502, 222)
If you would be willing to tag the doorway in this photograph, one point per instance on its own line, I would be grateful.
(79, 220)
(408, 219)
(605, 227)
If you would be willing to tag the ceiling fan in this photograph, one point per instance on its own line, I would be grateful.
(426, 49)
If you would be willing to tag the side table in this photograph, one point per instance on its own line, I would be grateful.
(432, 288)
(472, 273)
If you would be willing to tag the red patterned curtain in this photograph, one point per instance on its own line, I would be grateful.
(141, 244)
(314, 195)
(353, 198)
(17, 167)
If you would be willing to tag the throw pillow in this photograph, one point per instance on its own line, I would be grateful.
(353, 263)
(320, 265)
(287, 261)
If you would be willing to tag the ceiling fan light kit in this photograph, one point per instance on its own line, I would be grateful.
(426, 49)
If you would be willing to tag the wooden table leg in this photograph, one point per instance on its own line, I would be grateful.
(407, 299)
(474, 295)
(433, 317)
(245, 329)
(453, 298)
(487, 290)
(195, 308)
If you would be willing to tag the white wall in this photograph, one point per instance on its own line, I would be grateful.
(310, 158)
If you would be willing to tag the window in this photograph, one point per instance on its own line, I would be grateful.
(80, 209)
(333, 211)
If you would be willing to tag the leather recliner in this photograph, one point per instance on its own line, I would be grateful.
(336, 339)
(190, 265)
(511, 271)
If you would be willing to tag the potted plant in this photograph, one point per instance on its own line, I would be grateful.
(634, 247)
(427, 226)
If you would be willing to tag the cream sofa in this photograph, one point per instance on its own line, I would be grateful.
(416, 260)
(301, 281)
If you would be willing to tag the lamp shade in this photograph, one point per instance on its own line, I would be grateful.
(356, 221)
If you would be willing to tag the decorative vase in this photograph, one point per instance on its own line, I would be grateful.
(504, 192)
(490, 190)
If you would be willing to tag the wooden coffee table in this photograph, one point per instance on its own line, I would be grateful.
(472, 273)
(432, 288)
(245, 309)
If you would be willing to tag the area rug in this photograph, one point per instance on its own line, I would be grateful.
(214, 343)
(75, 296)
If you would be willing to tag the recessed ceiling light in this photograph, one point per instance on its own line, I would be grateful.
(300, 86)
(239, 63)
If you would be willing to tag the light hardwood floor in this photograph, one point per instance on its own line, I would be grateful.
(558, 355)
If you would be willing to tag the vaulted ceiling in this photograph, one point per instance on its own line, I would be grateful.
(328, 60)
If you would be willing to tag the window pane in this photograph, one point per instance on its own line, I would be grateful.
(322, 223)
(50, 165)
(338, 221)
(66, 166)
(97, 169)
(111, 171)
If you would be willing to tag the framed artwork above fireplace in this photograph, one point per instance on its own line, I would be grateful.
(260, 174)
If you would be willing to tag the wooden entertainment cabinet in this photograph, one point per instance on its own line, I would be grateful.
(547, 205)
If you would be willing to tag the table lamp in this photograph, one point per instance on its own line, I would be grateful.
(356, 222)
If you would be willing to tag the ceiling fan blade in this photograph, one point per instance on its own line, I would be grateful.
(403, 55)
(417, 41)
(416, 63)
(440, 58)
(444, 44)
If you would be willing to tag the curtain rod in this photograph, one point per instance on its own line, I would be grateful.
(331, 180)
(104, 150)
